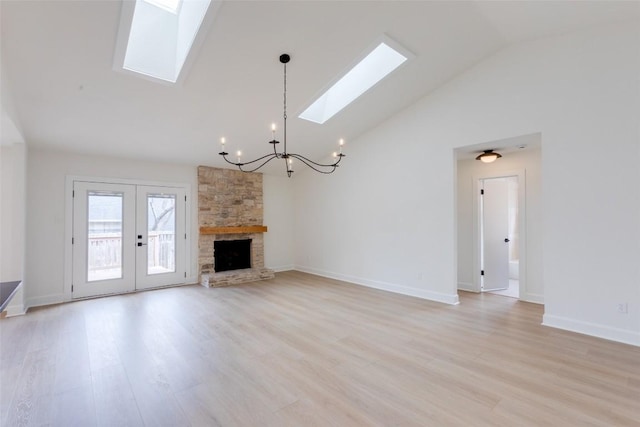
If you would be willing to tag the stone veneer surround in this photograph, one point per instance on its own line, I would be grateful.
(230, 198)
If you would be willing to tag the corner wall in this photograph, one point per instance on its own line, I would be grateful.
(12, 211)
(279, 217)
(45, 213)
(13, 159)
(387, 217)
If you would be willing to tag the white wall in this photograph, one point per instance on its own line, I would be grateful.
(10, 130)
(13, 179)
(13, 162)
(47, 172)
(384, 219)
(278, 217)
(467, 172)
(46, 210)
(12, 211)
(387, 218)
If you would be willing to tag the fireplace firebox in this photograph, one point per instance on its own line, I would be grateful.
(232, 254)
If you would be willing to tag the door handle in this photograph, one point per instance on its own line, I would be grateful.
(505, 240)
(142, 244)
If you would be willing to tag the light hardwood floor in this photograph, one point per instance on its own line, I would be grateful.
(301, 350)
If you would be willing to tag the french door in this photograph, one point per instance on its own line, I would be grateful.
(126, 237)
(160, 236)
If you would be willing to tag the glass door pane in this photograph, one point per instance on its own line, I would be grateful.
(103, 251)
(161, 233)
(160, 236)
(104, 236)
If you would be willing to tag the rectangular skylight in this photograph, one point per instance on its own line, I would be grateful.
(156, 42)
(374, 67)
(168, 5)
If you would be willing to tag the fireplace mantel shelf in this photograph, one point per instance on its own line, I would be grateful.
(234, 230)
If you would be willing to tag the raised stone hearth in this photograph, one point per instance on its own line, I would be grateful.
(230, 208)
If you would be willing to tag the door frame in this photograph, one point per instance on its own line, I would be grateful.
(522, 227)
(68, 222)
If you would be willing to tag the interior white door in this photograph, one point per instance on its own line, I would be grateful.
(494, 234)
(160, 236)
(103, 239)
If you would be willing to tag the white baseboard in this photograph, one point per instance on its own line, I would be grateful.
(16, 310)
(390, 287)
(534, 298)
(16, 303)
(466, 286)
(16, 307)
(613, 334)
(44, 300)
(282, 268)
(59, 298)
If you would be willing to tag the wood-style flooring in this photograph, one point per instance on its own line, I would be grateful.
(301, 350)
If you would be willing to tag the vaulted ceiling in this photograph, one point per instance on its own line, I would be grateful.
(58, 60)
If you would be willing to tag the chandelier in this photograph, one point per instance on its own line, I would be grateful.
(254, 165)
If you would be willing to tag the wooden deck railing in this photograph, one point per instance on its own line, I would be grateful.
(105, 250)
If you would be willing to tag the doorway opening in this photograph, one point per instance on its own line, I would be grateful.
(521, 158)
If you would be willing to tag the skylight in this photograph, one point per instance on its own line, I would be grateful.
(374, 67)
(157, 36)
(168, 5)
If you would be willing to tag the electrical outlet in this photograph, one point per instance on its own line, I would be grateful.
(623, 308)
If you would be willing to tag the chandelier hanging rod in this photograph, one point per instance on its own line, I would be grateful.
(325, 168)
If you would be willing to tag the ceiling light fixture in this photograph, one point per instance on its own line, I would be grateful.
(284, 155)
(488, 156)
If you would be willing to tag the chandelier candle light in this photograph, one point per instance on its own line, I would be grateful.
(256, 164)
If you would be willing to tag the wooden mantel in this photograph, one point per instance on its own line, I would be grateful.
(248, 229)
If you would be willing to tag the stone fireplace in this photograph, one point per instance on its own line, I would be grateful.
(230, 209)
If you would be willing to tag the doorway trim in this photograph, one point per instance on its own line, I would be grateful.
(522, 227)
(68, 222)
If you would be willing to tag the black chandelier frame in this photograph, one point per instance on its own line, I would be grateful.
(254, 165)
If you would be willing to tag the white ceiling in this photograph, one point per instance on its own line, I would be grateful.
(58, 56)
(501, 146)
